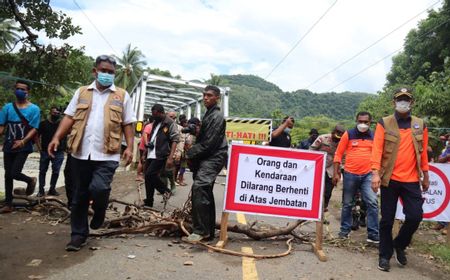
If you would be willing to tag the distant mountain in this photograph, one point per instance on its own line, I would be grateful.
(252, 96)
(250, 81)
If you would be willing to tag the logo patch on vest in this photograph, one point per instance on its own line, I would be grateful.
(355, 143)
(116, 103)
(83, 101)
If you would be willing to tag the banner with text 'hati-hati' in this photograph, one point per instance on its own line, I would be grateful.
(275, 181)
(436, 199)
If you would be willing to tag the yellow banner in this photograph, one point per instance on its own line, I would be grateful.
(248, 129)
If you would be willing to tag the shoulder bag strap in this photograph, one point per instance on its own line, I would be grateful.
(22, 117)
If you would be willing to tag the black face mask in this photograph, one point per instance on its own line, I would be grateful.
(158, 119)
(54, 118)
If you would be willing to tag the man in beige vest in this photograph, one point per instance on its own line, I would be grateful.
(97, 117)
(399, 158)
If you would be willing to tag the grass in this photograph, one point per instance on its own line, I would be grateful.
(440, 251)
(2, 195)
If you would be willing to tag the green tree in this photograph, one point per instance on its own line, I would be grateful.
(54, 70)
(424, 65)
(130, 67)
(215, 80)
(8, 34)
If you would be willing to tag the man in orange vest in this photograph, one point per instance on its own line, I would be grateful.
(97, 117)
(399, 158)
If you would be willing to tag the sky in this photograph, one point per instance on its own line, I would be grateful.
(194, 38)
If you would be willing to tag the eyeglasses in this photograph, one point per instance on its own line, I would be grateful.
(105, 58)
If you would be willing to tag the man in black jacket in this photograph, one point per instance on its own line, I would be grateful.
(207, 156)
(161, 147)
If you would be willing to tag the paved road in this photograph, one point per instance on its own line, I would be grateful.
(164, 258)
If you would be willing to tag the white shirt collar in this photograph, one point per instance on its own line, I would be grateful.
(93, 85)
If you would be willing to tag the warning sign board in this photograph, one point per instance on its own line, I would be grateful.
(248, 129)
(436, 199)
(275, 181)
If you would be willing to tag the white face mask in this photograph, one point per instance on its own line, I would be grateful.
(403, 106)
(362, 127)
(287, 130)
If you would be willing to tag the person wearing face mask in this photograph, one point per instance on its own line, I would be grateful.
(281, 136)
(97, 117)
(47, 129)
(161, 147)
(356, 144)
(399, 160)
(20, 121)
(328, 143)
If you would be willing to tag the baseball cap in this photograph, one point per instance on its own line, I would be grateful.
(403, 91)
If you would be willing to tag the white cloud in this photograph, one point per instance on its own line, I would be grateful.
(194, 38)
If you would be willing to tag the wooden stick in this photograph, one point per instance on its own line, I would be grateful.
(223, 238)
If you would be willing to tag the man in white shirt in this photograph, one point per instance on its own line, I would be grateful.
(161, 148)
(96, 117)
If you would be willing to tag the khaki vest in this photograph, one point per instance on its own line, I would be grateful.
(112, 120)
(392, 143)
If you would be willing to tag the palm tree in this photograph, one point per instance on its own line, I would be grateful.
(130, 67)
(8, 34)
(215, 80)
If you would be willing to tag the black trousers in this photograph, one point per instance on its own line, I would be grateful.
(13, 164)
(328, 190)
(155, 167)
(68, 180)
(411, 196)
(91, 181)
(203, 204)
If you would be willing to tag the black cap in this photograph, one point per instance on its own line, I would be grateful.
(403, 91)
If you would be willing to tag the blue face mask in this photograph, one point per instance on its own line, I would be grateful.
(20, 94)
(105, 79)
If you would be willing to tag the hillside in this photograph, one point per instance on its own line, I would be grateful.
(252, 96)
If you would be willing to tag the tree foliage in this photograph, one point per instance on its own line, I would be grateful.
(250, 81)
(424, 64)
(130, 67)
(55, 71)
(247, 101)
(8, 34)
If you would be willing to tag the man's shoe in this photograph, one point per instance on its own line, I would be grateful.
(75, 244)
(98, 219)
(52, 192)
(400, 256)
(343, 235)
(194, 238)
(6, 209)
(31, 186)
(383, 265)
(41, 193)
(373, 239)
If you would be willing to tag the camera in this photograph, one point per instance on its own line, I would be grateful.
(151, 146)
(190, 128)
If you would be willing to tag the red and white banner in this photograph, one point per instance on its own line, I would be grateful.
(275, 181)
(436, 199)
